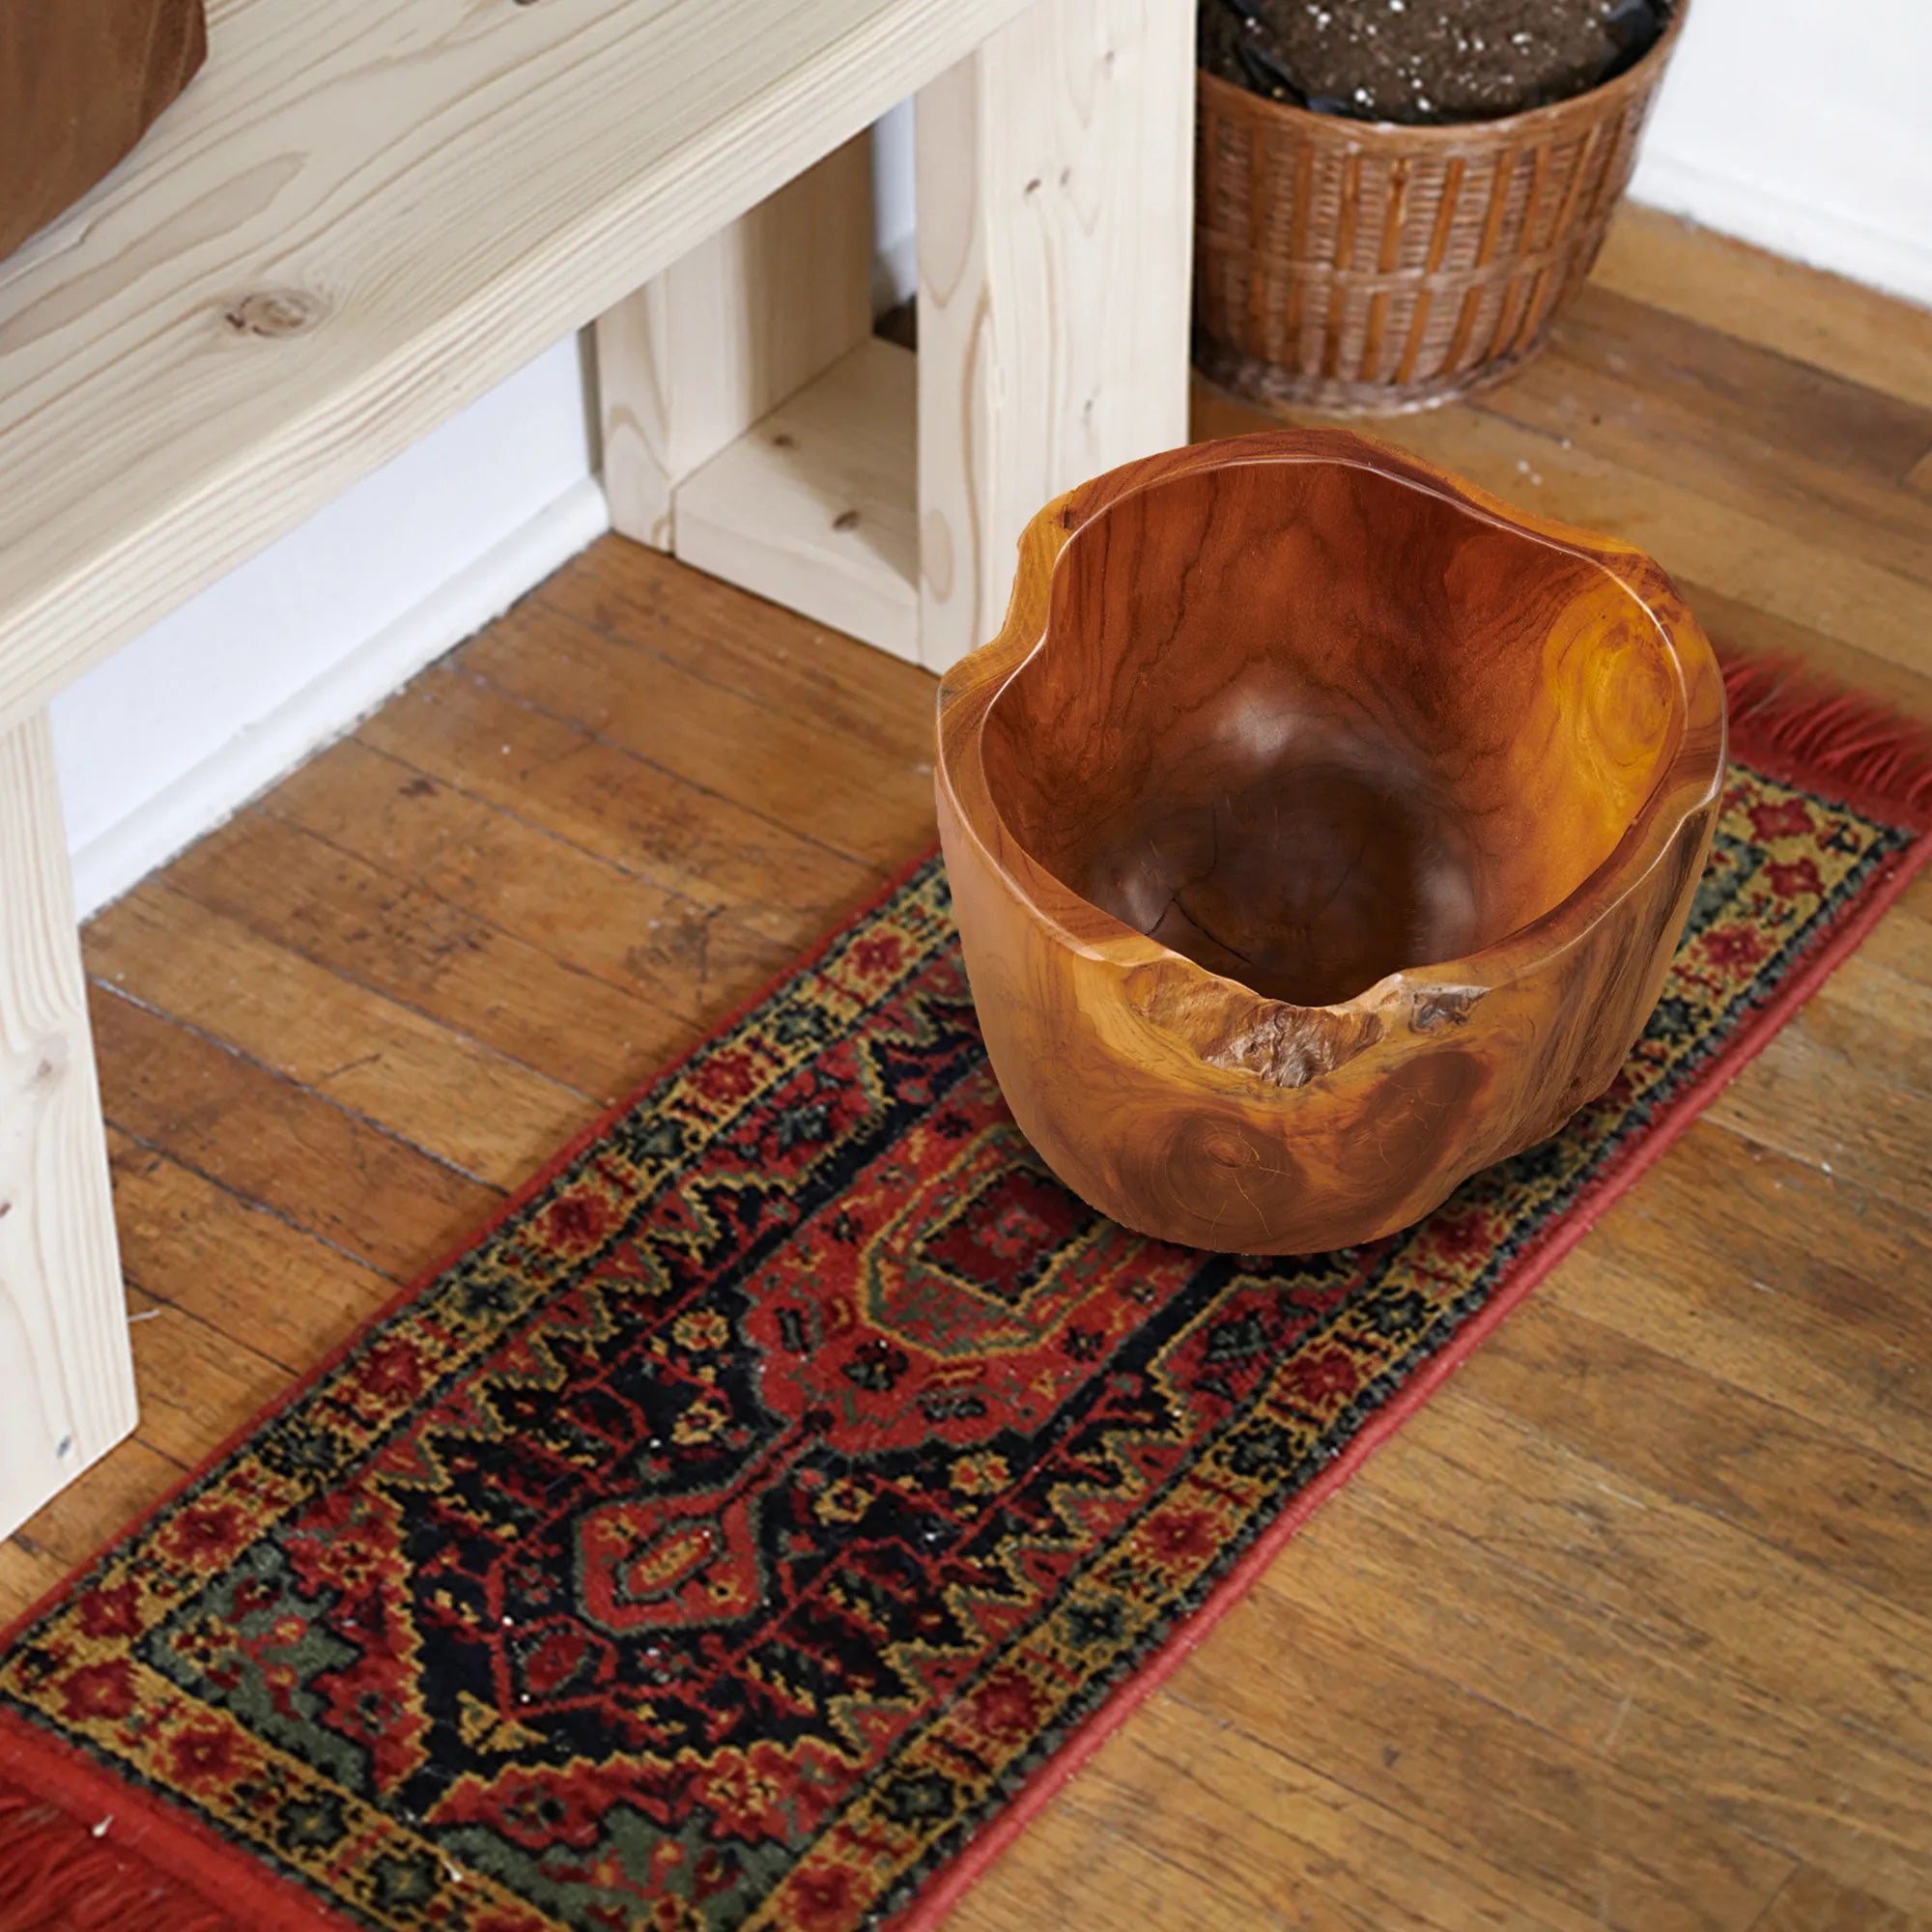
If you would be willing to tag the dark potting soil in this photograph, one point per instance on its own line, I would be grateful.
(1424, 61)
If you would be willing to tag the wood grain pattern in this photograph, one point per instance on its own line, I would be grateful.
(692, 844)
(815, 507)
(69, 1386)
(399, 938)
(1735, 292)
(1431, 837)
(692, 359)
(191, 1242)
(1597, 1840)
(1756, 432)
(252, 1131)
(1052, 160)
(357, 220)
(758, 759)
(474, 1109)
(1653, 1708)
(699, 626)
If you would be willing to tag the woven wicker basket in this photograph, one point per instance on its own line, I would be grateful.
(1368, 268)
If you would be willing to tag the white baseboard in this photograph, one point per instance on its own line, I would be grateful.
(348, 690)
(1900, 263)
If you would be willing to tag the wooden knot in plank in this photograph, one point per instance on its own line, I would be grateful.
(276, 312)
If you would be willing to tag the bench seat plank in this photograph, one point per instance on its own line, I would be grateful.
(356, 220)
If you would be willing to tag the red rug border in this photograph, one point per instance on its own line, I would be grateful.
(83, 1789)
(1884, 766)
(949, 1886)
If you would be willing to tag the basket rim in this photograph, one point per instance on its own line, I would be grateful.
(1641, 74)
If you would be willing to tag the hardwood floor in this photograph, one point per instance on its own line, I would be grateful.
(1631, 1627)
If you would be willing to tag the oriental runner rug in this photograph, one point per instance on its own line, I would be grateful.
(755, 1524)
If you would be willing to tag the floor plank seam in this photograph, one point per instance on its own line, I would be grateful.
(870, 866)
(297, 1085)
(250, 1201)
(393, 998)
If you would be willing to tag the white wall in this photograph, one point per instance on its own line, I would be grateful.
(1804, 126)
(894, 259)
(168, 736)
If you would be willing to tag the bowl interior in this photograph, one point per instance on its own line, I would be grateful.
(1307, 723)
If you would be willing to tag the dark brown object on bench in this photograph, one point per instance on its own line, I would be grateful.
(80, 82)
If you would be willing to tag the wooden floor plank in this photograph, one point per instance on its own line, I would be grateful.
(1754, 397)
(27, 1572)
(245, 1271)
(1774, 1279)
(1855, 1121)
(1667, 1572)
(1812, 1901)
(642, 599)
(1870, 1015)
(1768, 438)
(851, 799)
(324, 1169)
(460, 729)
(586, 911)
(1799, 579)
(1068, 1871)
(1242, 1816)
(397, 937)
(447, 1095)
(1656, 1711)
(198, 1386)
(1733, 288)
(1542, 1810)
(1804, 1487)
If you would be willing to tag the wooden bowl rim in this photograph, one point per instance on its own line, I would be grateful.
(1529, 123)
(969, 690)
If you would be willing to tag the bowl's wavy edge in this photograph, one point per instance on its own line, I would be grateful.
(1685, 789)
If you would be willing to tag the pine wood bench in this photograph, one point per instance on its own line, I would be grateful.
(363, 216)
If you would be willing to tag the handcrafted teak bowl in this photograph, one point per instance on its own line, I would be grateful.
(1320, 830)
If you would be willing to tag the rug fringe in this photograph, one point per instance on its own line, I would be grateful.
(57, 1876)
(1794, 724)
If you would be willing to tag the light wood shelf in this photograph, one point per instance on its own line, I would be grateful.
(815, 506)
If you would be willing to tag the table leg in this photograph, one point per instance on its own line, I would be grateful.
(67, 1378)
(1055, 185)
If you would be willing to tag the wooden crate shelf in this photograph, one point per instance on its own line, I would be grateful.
(815, 506)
